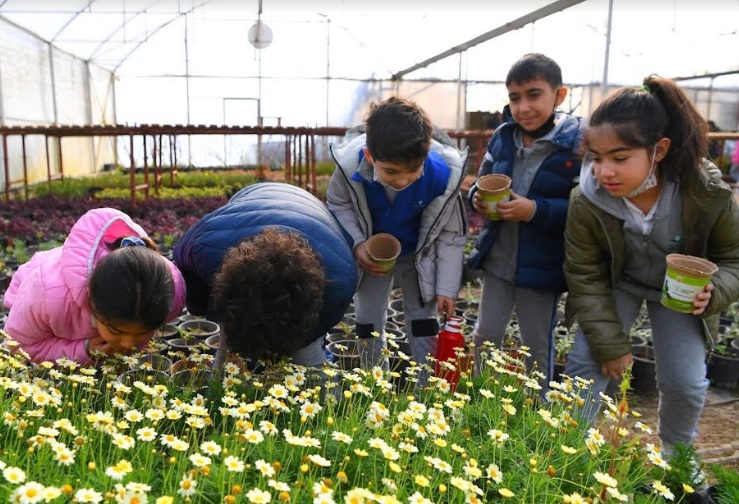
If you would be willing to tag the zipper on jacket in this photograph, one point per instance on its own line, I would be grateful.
(351, 187)
(455, 195)
(610, 245)
(438, 216)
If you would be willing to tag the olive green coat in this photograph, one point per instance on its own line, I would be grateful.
(595, 253)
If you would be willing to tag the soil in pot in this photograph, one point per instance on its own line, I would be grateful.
(167, 331)
(184, 345)
(202, 329)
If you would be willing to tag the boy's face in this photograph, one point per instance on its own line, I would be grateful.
(396, 175)
(533, 102)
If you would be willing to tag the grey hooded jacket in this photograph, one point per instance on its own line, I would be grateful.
(442, 234)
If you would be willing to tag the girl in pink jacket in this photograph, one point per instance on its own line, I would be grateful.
(105, 289)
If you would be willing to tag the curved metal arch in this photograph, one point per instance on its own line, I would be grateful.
(70, 20)
(123, 25)
(157, 29)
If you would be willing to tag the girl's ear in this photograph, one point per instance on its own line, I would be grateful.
(661, 148)
(561, 95)
(367, 154)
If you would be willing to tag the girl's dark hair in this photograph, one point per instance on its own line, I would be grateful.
(269, 294)
(132, 284)
(659, 109)
(398, 131)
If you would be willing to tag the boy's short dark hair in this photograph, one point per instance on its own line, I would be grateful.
(533, 66)
(398, 131)
(269, 294)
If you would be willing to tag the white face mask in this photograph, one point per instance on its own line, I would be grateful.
(650, 181)
(388, 186)
(395, 189)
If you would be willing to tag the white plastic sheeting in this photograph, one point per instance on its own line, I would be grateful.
(189, 61)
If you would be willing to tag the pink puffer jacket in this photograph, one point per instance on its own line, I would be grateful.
(48, 299)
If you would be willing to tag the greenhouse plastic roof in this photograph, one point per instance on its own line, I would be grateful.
(675, 38)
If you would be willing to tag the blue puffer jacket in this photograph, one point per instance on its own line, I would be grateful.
(540, 260)
(200, 252)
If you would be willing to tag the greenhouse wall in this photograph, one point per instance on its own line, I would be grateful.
(41, 85)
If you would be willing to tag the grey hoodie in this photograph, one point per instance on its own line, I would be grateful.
(645, 262)
(442, 235)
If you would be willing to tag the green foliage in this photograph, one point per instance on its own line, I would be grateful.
(168, 193)
(723, 344)
(684, 470)
(19, 251)
(68, 188)
(563, 343)
(726, 487)
(188, 183)
(169, 240)
(325, 167)
(49, 244)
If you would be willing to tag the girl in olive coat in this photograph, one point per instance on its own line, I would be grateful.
(646, 191)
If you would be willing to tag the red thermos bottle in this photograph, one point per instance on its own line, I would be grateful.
(450, 342)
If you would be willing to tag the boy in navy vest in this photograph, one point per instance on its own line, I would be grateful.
(522, 254)
(274, 268)
(397, 178)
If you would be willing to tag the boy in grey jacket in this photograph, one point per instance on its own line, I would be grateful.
(396, 179)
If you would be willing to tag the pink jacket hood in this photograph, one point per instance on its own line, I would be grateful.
(48, 299)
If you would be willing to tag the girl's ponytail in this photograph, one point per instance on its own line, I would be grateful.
(685, 128)
(658, 109)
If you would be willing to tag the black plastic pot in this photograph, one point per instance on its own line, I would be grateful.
(723, 371)
(644, 378)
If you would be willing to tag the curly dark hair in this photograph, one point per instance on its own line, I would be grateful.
(269, 294)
